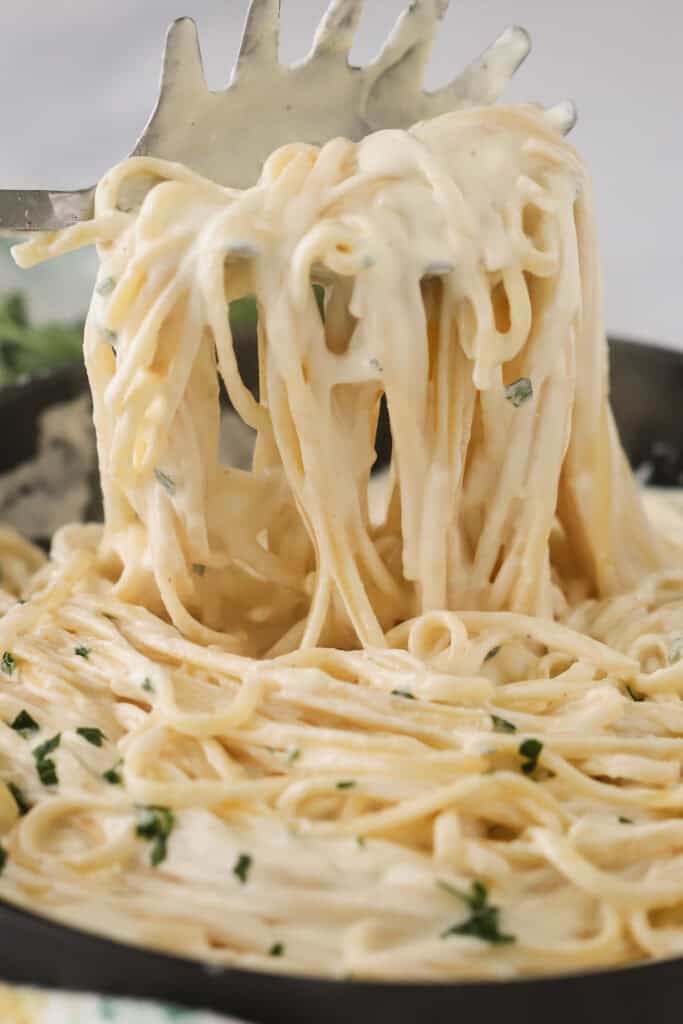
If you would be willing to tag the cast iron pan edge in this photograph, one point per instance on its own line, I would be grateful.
(37, 951)
(647, 384)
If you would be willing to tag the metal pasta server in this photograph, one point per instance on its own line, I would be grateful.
(267, 104)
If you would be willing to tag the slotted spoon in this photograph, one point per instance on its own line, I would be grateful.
(227, 135)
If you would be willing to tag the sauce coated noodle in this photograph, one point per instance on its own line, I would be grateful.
(306, 721)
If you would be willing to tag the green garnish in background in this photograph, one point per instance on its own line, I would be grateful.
(26, 349)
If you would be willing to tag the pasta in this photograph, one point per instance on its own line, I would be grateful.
(298, 718)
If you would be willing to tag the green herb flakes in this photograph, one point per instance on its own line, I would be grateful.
(346, 784)
(45, 766)
(91, 735)
(519, 392)
(83, 652)
(47, 772)
(675, 650)
(8, 663)
(403, 693)
(502, 724)
(24, 724)
(625, 821)
(113, 777)
(167, 482)
(155, 825)
(23, 806)
(530, 749)
(242, 867)
(148, 685)
(106, 286)
(293, 754)
(277, 949)
(360, 841)
(483, 922)
(46, 748)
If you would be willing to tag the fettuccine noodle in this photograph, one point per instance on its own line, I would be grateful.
(426, 726)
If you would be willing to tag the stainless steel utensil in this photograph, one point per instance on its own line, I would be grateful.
(227, 135)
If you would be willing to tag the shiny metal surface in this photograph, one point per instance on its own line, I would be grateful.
(268, 104)
(42, 210)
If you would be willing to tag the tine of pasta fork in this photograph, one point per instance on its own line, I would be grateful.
(336, 31)
(261, 37)
(402, 60)
(182, 70)
(487, 77)
(562, 116)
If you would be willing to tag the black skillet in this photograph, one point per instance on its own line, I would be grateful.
(647, 390)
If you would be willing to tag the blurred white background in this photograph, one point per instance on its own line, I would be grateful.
(78, 79)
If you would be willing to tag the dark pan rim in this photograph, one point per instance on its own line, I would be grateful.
(62, 934)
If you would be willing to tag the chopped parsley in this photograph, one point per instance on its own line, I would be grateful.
(242, 867)
(113, 776)
(47, 772)
(92, 735)
(492, 653)
(293, 755)
(166, 481)
(483, 922)
(360, 840)
(625, 821)
(676, 650)
(502, 724)
(83, 652)
(403, 693)
(346, 784)
(23, 806)
(3, 858)
(155, 825)
(530, 749)
(148, 685)
(24, 724)
(106, 286)
(519, 392)
(8, 663)
(633, 694)
(41, 752)
(45, 766)
(111, 336)
(277, 949)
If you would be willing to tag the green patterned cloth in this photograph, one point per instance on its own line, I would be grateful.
(36, 1006)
